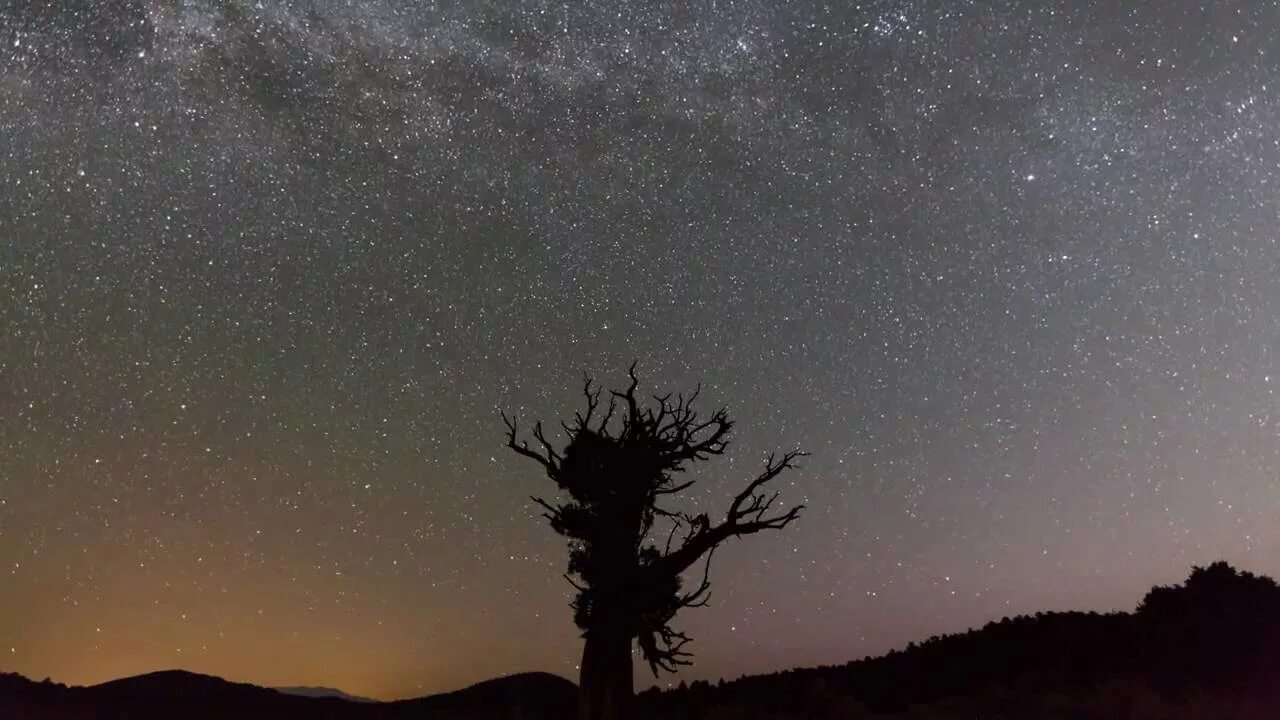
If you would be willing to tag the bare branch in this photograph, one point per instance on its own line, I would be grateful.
(593, 402)
(551, 453)
(773, 467)
(702, 595)
(549, 462)
(677, 525)
(687, 445)
(608, 414)
(673, 489)
(748, 514)
(552, 512)
(635, 417)
(670, 657)
(681, 521)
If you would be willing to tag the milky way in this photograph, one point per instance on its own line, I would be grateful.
(270, 270)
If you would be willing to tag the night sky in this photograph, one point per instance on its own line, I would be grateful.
(269, 271)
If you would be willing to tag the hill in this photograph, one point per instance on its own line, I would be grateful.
(177, 693)
(1209, 648)
(525, 697)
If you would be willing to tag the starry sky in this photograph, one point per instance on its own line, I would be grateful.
(269, 270)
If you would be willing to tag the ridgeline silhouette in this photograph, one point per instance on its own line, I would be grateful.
(1209, 648)
(628, 581)
(1206, 649)
(173, 694)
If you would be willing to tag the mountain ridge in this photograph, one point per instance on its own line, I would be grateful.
(317, 691)
(182, 693)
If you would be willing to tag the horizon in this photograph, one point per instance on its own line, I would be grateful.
(641, 685)
(280, 688)
(271, 273)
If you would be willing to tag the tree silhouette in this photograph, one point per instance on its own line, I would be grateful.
(619, 464)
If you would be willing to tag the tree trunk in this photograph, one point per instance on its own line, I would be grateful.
(605, 683)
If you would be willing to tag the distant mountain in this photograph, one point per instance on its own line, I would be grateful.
(323, 692)
(177, 685)
(180, 694)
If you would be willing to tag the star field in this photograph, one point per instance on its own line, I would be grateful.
(269, 270)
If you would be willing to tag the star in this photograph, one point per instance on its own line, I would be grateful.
(272, 269)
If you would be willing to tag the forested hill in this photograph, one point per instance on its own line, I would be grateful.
(1209, 647)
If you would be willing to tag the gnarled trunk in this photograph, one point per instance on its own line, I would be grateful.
(605, 683)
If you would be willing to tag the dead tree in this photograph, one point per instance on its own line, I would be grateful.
(621, 462)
